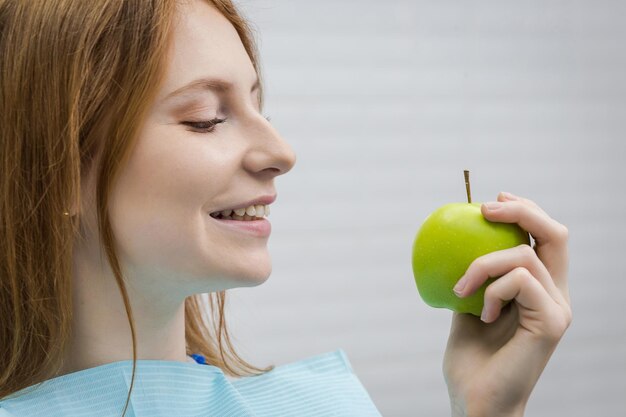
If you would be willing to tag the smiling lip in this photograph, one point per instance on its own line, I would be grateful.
(261, 227)
(263, 200)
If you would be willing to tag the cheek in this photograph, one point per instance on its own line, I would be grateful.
(157, 203)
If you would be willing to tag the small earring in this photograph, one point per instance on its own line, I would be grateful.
(66, 213)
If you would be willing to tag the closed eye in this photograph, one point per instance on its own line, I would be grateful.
(204, 126)
(208, 125)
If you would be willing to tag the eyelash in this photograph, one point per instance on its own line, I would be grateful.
(209, 125)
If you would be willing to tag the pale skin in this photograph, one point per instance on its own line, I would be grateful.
(170, 248)
(491, 366)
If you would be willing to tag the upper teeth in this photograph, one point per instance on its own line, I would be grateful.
(258, 210)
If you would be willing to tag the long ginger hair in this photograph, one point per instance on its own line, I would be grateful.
(75, 80)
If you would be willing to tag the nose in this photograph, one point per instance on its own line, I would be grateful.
(269, 153)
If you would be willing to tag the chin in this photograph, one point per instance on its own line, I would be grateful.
(253, 280)
(255, 273)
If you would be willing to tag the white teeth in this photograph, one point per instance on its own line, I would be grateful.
(248, 213)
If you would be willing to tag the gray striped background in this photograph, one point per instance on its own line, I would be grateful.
(385, 104)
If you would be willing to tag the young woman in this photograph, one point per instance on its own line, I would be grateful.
(136, 174)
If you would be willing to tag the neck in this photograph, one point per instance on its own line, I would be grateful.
(101, 329)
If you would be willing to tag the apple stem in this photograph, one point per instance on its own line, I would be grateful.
(467, 186)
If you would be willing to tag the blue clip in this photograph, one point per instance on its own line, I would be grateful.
(198, 358)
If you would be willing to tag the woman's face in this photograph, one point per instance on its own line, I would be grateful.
(180, 172)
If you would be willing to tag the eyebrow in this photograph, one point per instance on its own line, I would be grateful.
(210, 84)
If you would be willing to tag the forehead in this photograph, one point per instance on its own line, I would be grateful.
(204, 44)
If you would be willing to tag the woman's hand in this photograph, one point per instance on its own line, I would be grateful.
(491, 364)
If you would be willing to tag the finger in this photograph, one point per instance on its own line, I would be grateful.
(551, 237)
(538, 314)
(504, 196)
(532, 219)
(520, 285)
(556, 259)
(498, 263)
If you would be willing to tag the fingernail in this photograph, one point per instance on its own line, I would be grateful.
(483, 314)
(458, 288)
(494, 205)
(509, 196)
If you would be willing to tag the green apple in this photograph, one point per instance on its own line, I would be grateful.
(448, 241)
